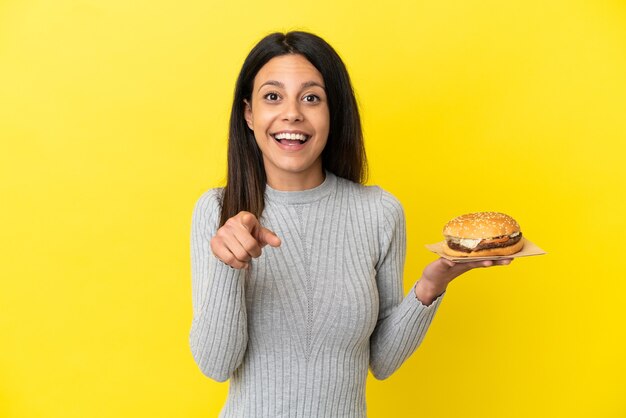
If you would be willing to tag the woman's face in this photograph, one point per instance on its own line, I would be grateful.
(288, 113)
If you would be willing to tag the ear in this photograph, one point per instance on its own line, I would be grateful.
(248, 114)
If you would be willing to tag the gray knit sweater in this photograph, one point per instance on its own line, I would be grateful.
(295, 333)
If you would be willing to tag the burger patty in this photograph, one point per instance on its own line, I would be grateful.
(485, 246)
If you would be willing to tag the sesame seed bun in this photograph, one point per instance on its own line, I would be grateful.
(481, 225)
(482, 234)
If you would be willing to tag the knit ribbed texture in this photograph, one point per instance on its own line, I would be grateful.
(295, 333)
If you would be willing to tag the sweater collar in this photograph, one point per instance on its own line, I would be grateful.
(302, 196)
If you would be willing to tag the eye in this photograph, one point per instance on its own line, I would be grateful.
(272, 97)
(311, 98)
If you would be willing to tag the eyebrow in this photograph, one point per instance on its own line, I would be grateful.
(282, 86)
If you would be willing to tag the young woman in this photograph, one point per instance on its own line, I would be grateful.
(297, 267)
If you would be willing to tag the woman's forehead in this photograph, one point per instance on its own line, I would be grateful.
(288, 69)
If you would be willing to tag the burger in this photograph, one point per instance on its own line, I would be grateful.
(482, 234)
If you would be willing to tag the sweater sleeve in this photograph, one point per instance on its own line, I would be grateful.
(218, 336)
(402, 320)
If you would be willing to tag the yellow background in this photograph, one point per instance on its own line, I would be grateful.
(113, 120)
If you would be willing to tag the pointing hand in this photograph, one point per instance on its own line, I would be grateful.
(240, 239)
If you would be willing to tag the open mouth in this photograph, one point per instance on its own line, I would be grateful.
(291, 138)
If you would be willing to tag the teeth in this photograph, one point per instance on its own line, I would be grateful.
(292, 137)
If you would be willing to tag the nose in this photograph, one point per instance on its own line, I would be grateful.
(292, 111)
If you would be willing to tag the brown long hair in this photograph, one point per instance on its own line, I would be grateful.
(344, 154)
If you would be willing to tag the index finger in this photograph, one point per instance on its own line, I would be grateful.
(487, 263)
